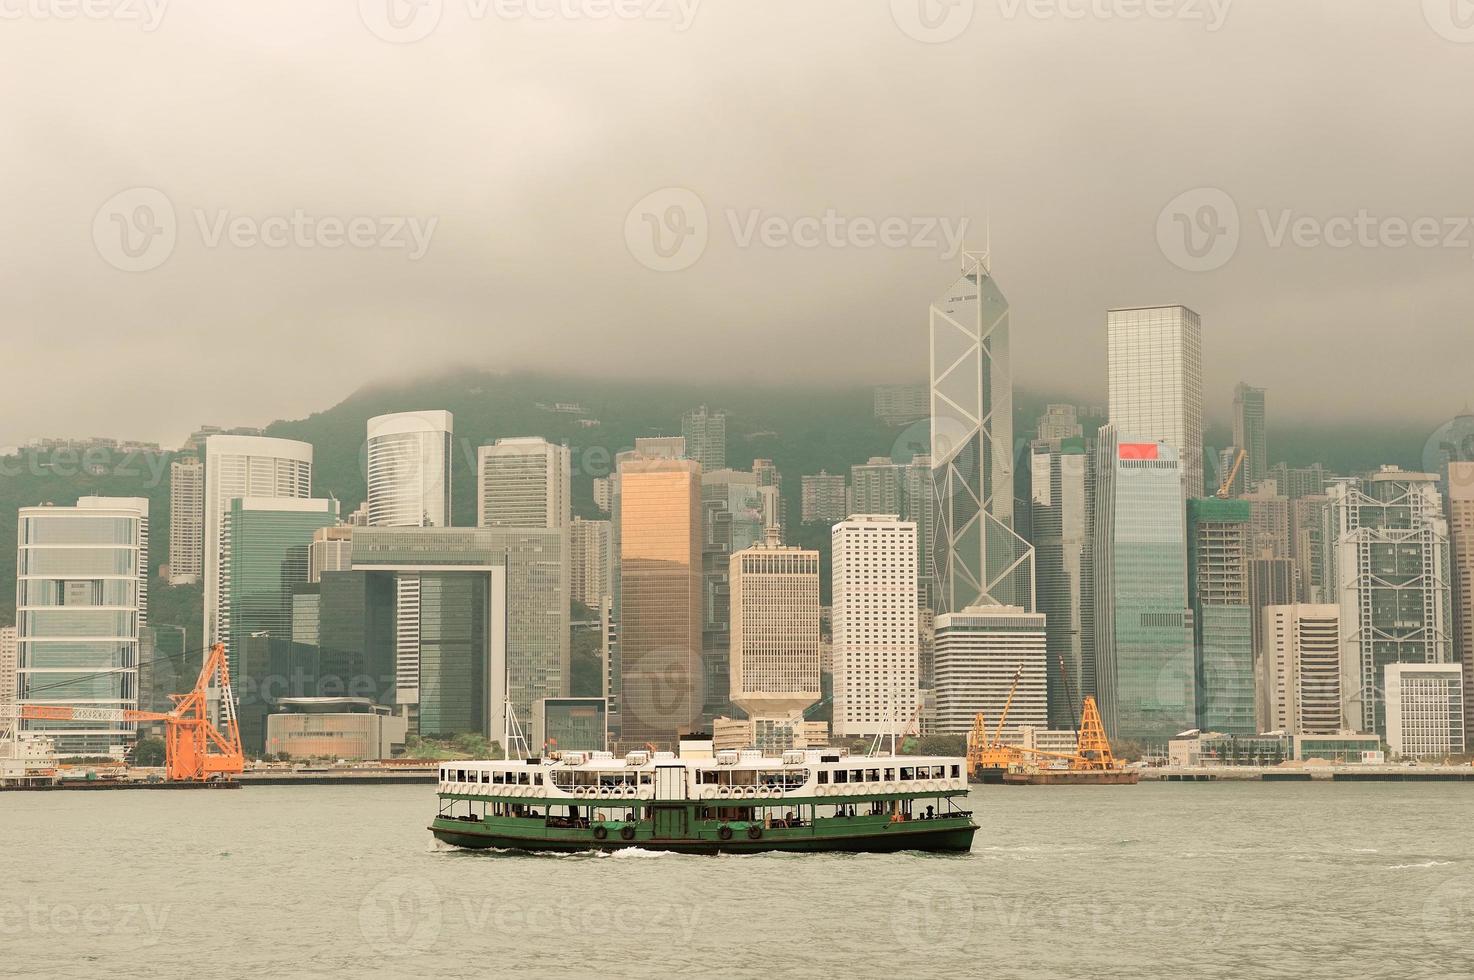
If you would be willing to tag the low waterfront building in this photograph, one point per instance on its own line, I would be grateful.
(334, 728)
(1425, 709)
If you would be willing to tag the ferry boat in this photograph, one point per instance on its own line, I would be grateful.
(726, 802)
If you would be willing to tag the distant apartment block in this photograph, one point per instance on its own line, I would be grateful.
(7, 664)
(331, 551)
(824, 498)
(901, 404)
(1299, 674)
(705, 433)
(589, 575)
(186, 521)
(875, 645)
(1425, 710)
(1059, 422)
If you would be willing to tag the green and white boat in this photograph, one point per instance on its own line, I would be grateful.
(726, 802)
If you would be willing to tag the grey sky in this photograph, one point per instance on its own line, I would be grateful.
(527, 141)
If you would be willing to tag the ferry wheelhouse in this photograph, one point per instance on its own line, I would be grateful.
(731, 801)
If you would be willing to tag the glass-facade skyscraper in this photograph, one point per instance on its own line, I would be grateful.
(1145, 673)
(1248, 432)
(1219, 540)
(1062, 497)
(81, 599)
(976, 556)
(1154, 376)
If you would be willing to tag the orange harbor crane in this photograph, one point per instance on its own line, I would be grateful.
(195, 749)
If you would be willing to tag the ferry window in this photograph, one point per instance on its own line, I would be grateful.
(537, 778)
(907, 772)
(872, 775)
(841, 776)
(890, 775)
(485, 776)
(460, 775)
(857, 775)
(823, 776)
(956, 772)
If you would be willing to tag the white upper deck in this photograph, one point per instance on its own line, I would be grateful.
(726, 775)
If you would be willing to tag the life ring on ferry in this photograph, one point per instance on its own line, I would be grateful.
(890, 787)
(750, 792)
(708, 794)
(754, 832)
(604, 792)
(629, 791)
(601, 832)
(644, 793)
(627, 832)
(724, 832)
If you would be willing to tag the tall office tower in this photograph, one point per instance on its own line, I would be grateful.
(901, 404)
(1295, 482)
(409, 459)
(1299, 676)
(331, 551)
(1387, 566)
(979, 651)
(1060, 422)
(1248, 431)
(825, 498)
(882, 486)
(768, 477)
(523, 483)
(1144, 669)
(660, 538)
(603, 489)
(1460, 502)
(244, 466)
(876, 660)
(81, 598)
(1154, 360)
(774, 653)
(1063, 498)
(588, 545)
(186, 521)
(1218, 541)
(266, 544)
(1272, 582)
(8, 654)
(976, 556)
(1425, 710)
(1270, 519)
(706, 437)
(489, 617)
(1307, 545)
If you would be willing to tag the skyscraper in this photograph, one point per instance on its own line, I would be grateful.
(1388, 568)
(1299, 684)
(590, 569)
(976, 556)
(524, 483)
(1248, 431)
(244, 466)
(186, 520)
(883, 486)
(774, 654)
(900, 404)
(266, 544)
(1460, 501)
(1059, 422)
(1218, 591)
(1154, 359)
(736, 514)
(1144, 669)
(876, 656)
(705, 433)
(8, 654)
(1061, 512)
(409, 459)
(979, 652)
(81, 599)
(660, 537)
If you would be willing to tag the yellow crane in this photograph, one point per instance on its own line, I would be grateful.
(1226, 487)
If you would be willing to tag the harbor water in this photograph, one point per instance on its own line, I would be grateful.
(1157, 880)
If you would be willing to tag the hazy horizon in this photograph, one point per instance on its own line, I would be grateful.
(504, 179)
